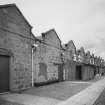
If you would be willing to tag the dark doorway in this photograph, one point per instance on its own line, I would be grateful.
(4, 73)
(78, 73)
(95, 71)
(60, 72)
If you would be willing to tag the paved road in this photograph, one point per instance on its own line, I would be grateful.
(59, 91)
(25, 99)
(55, 94)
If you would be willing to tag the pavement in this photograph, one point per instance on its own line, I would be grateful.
(64, 93)
(25, 99)
(60, 91)
(89, 96)
(101, 99)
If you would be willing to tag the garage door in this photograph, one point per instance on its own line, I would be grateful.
(4, 73)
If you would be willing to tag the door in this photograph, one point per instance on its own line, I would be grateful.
(4, 73)
(78, 72)
(60, 72)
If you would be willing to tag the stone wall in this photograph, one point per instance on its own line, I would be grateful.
(69, 70)
(47, 59)
(44, 68)
(11, 39)
(87, 72)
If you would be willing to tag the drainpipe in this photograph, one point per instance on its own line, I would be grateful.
(34, 46)
(32, 67)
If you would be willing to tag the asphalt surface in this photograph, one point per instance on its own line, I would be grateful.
(59, 91)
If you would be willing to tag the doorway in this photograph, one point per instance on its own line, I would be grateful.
(4, 73)
(60, 72)
(78, 73)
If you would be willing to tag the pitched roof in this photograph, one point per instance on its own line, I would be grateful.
(53, 31)
(71, 42)
(14, 5)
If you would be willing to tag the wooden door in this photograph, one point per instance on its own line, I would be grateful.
(4, 73)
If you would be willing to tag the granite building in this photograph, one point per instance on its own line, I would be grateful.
(47, 59)
(15, 50)
(69, 66)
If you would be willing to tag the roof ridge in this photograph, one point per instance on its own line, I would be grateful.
(7, 5)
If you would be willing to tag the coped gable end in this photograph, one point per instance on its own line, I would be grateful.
(13, 20)
(52, 38)
(82, 52)
(71, 46)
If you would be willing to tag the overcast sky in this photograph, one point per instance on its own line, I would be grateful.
(82, 21)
